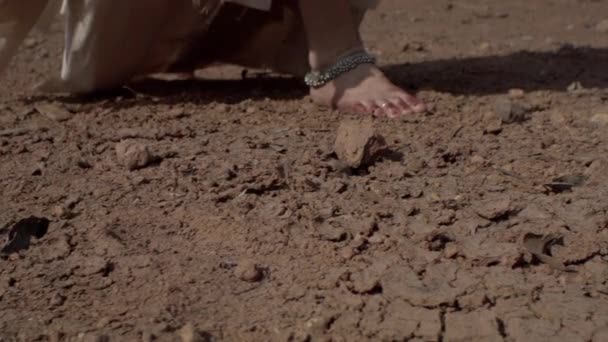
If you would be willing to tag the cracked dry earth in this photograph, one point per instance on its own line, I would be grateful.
(218, 211)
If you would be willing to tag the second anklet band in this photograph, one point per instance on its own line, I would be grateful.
(317, 79)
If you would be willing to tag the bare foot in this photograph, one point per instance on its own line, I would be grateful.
(366, 90)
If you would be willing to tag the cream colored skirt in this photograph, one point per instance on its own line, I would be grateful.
(111, 42)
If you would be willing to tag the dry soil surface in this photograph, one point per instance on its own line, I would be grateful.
(217, 210)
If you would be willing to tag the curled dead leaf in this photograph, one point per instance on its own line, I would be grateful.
(540, 245)
(565, 183)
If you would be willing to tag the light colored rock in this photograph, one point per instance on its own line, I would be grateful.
(53, 112)
(134, 155)
(357, 144)
(249, 271)
(602, 26)
(188, 333)
(510, 111)
(600, 119)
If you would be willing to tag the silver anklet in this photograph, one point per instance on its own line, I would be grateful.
(317, 79)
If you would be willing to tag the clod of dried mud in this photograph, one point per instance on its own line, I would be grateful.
(357, 143)
(134, 155)
(249, 271)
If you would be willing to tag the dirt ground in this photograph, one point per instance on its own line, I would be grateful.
(216, 210)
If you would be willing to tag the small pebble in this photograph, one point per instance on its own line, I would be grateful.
(57, 300)
(509, 111)
(575, 87)
(516, 93)
(599, 119)
(494, 127)
(451, 250)
(188, 333)
(602, 26)
(102, 323)
(53, 112)
(134, 155)
(249, 271)
(494, 209)
(334, 234)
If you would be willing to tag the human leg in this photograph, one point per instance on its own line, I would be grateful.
(332, 32)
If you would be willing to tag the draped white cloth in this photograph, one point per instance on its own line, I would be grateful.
(109, 42)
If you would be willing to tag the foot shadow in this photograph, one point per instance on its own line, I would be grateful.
(197, 91)
(488, 75)
(224, 91)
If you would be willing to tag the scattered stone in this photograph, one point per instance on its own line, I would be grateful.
(93, 265)
(481, 11)
(365, 282)
(602, 26)
(494, 209)
(38, 168)
(493, 127)
(599, 119)
(188, 333)
(357, 144)
(509, 111)
(348, 252)
(30, 43)
(62, 212)
(103, 322)
(175, 113)
(451, 250)
(478, 160)
(547, 141)
(102, 283)
(330, 233)
(53, 112)
(516, 93)
(134, 155)
(575, 87)
(484, 46)
(249, 271)
(376, 239)
(57, 300)
(317, 326)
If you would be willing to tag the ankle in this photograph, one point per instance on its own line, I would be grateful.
(320, 59)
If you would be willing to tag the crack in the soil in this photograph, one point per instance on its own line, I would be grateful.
(442, 314)
(585, 259)
(502, 329)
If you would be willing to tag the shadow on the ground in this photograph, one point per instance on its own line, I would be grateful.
(553, 70)
(199, 91)
(487, 75)
(225, 91)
